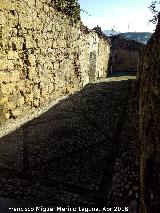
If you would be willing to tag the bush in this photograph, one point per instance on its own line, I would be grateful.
(69, 7)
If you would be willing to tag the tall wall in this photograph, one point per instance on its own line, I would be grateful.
(149, 123)
(44, 55)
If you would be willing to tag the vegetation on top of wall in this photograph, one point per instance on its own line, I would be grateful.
(100, 33)
(84, 28)
(155, 9)
(69, 7)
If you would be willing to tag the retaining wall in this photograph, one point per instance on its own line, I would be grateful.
(149, 123)
(44, 55)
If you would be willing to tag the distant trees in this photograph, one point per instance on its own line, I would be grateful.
(155, 9)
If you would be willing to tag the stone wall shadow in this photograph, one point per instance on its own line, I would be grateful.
(84, 121)
(32, 142)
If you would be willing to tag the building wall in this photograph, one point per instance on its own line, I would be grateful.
(124, 60)
(44, 55)
(124, 54)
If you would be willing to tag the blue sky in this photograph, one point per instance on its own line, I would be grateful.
(118, 14)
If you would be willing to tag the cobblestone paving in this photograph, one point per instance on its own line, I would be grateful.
(82, 152)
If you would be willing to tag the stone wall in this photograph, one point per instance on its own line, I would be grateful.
(149, 123)
(124, 54)
(44, 55)
(124, 60)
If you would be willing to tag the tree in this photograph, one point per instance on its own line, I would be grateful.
(155, 9)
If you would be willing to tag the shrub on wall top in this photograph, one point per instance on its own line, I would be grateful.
(69, 7)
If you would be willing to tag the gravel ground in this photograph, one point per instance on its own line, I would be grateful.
(82, 152)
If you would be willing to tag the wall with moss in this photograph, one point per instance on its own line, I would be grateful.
(44, 54)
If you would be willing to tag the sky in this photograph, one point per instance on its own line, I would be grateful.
(120, 15)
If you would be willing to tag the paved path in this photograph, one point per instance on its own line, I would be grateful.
(82, 152)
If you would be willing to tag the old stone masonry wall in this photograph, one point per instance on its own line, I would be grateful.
(149, 123)
(43, 56)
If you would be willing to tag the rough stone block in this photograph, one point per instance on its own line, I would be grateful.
(12, 18)
(39, 5)
(32, 60)
(16, 113)
(29, 98)
(44, 92)
(10, 106)
(20, 102)
(26, 20)
(36, 103)
(3, 100)
(7, 5)
(3, 18)
(56, 66)
(7, 115)
(16, 43)
(45, 8)
(29, 42)
(10, 64)
(14, 76)
(3, 64)
(8, 89)
(4, 77)
(31, 3)
(51, 87)
(20, 86)
(3, 54)
(32, 74)
(36, 92)
(12, 54)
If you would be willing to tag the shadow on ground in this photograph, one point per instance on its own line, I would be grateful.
(121, 74)
(67, 156)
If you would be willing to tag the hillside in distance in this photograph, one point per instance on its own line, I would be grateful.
(110, 32)
(142, 37)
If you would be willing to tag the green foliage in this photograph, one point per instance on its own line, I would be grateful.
(155, 9)
(100, 33)
(97, 29)
(69, 7)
